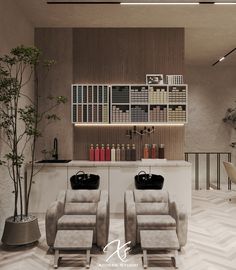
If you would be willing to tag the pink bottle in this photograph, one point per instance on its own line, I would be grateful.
(102, 153)
(97, 153)
(91, 153)
(108, 153)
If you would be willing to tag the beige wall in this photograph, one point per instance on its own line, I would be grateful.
(15, 30)
(56, 44)
(211, 92)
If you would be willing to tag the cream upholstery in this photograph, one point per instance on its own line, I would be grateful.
(231, 172)
(79, 210)
(152, 210)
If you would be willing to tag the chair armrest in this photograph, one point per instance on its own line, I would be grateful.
(181, 219)
(130, 218)
(102, 219)
(54, 212)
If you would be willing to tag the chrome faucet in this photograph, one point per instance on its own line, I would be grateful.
(55, 149)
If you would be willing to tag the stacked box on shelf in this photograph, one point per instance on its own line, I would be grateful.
(120, 94)
(158, 94)
(178, 94)
(120, 104)
(158, 113)
(90, 103)
(177, 113)
(120, 114)
(139, 113)
(139, 94)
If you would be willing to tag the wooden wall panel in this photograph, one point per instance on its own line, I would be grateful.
(106, 55)
(171, 136)
(126, 55)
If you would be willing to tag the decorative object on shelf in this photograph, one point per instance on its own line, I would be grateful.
(141, 132)
(16, 70)
(174, 79)
(154, 79)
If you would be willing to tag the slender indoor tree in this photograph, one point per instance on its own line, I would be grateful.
(19, 123)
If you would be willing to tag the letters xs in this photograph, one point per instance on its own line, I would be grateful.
(121, 251)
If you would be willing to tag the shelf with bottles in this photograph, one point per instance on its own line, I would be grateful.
(90, 103)
(178, 94)
(177, 113)
(120, 94)
(139, 94)
(118, 152)
(129, 103)
(158, 113)
(120, 113)
(158, 94)
(139, 113)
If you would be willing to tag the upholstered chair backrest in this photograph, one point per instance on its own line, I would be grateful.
(81, 202)
(151, 202)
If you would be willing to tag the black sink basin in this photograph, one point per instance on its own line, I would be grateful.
(148, 181)
(54, 161)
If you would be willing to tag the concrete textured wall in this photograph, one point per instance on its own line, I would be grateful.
(15, 30)
(211, 92)
(56, 44)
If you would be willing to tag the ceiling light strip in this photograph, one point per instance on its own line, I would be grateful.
(223, 58)
(157, 3)
(178, 3)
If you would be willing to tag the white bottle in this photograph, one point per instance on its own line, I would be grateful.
(113, 153)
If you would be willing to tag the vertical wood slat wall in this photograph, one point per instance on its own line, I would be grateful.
(171, 136)
(110, 56)
(126, 55)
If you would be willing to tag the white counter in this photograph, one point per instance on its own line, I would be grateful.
(116, 177)
(86, 163)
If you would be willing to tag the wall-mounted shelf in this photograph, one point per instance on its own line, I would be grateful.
(129, 104)
(90, 103)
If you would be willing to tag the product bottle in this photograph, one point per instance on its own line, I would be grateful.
(154, 151)
(146, 151)
(128, 153)
(161, 152)
(102, 153)
(108, 153)
(113, 153)
(133, 153)
(97, 153)
(118, 153)
(122, 152)
(91, 153)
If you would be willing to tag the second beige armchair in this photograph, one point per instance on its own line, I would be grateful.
(152, 210)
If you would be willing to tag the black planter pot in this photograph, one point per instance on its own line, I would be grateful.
(20, 232)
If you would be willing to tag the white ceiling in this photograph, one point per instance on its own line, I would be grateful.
(210, 29)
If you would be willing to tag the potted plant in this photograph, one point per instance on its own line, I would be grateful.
(230, 118)
(19, 126)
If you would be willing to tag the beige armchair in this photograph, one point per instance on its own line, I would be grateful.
(152, 210)
(79, 210)
(231, 172)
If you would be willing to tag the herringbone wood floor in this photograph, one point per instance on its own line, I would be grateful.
(211, 242)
